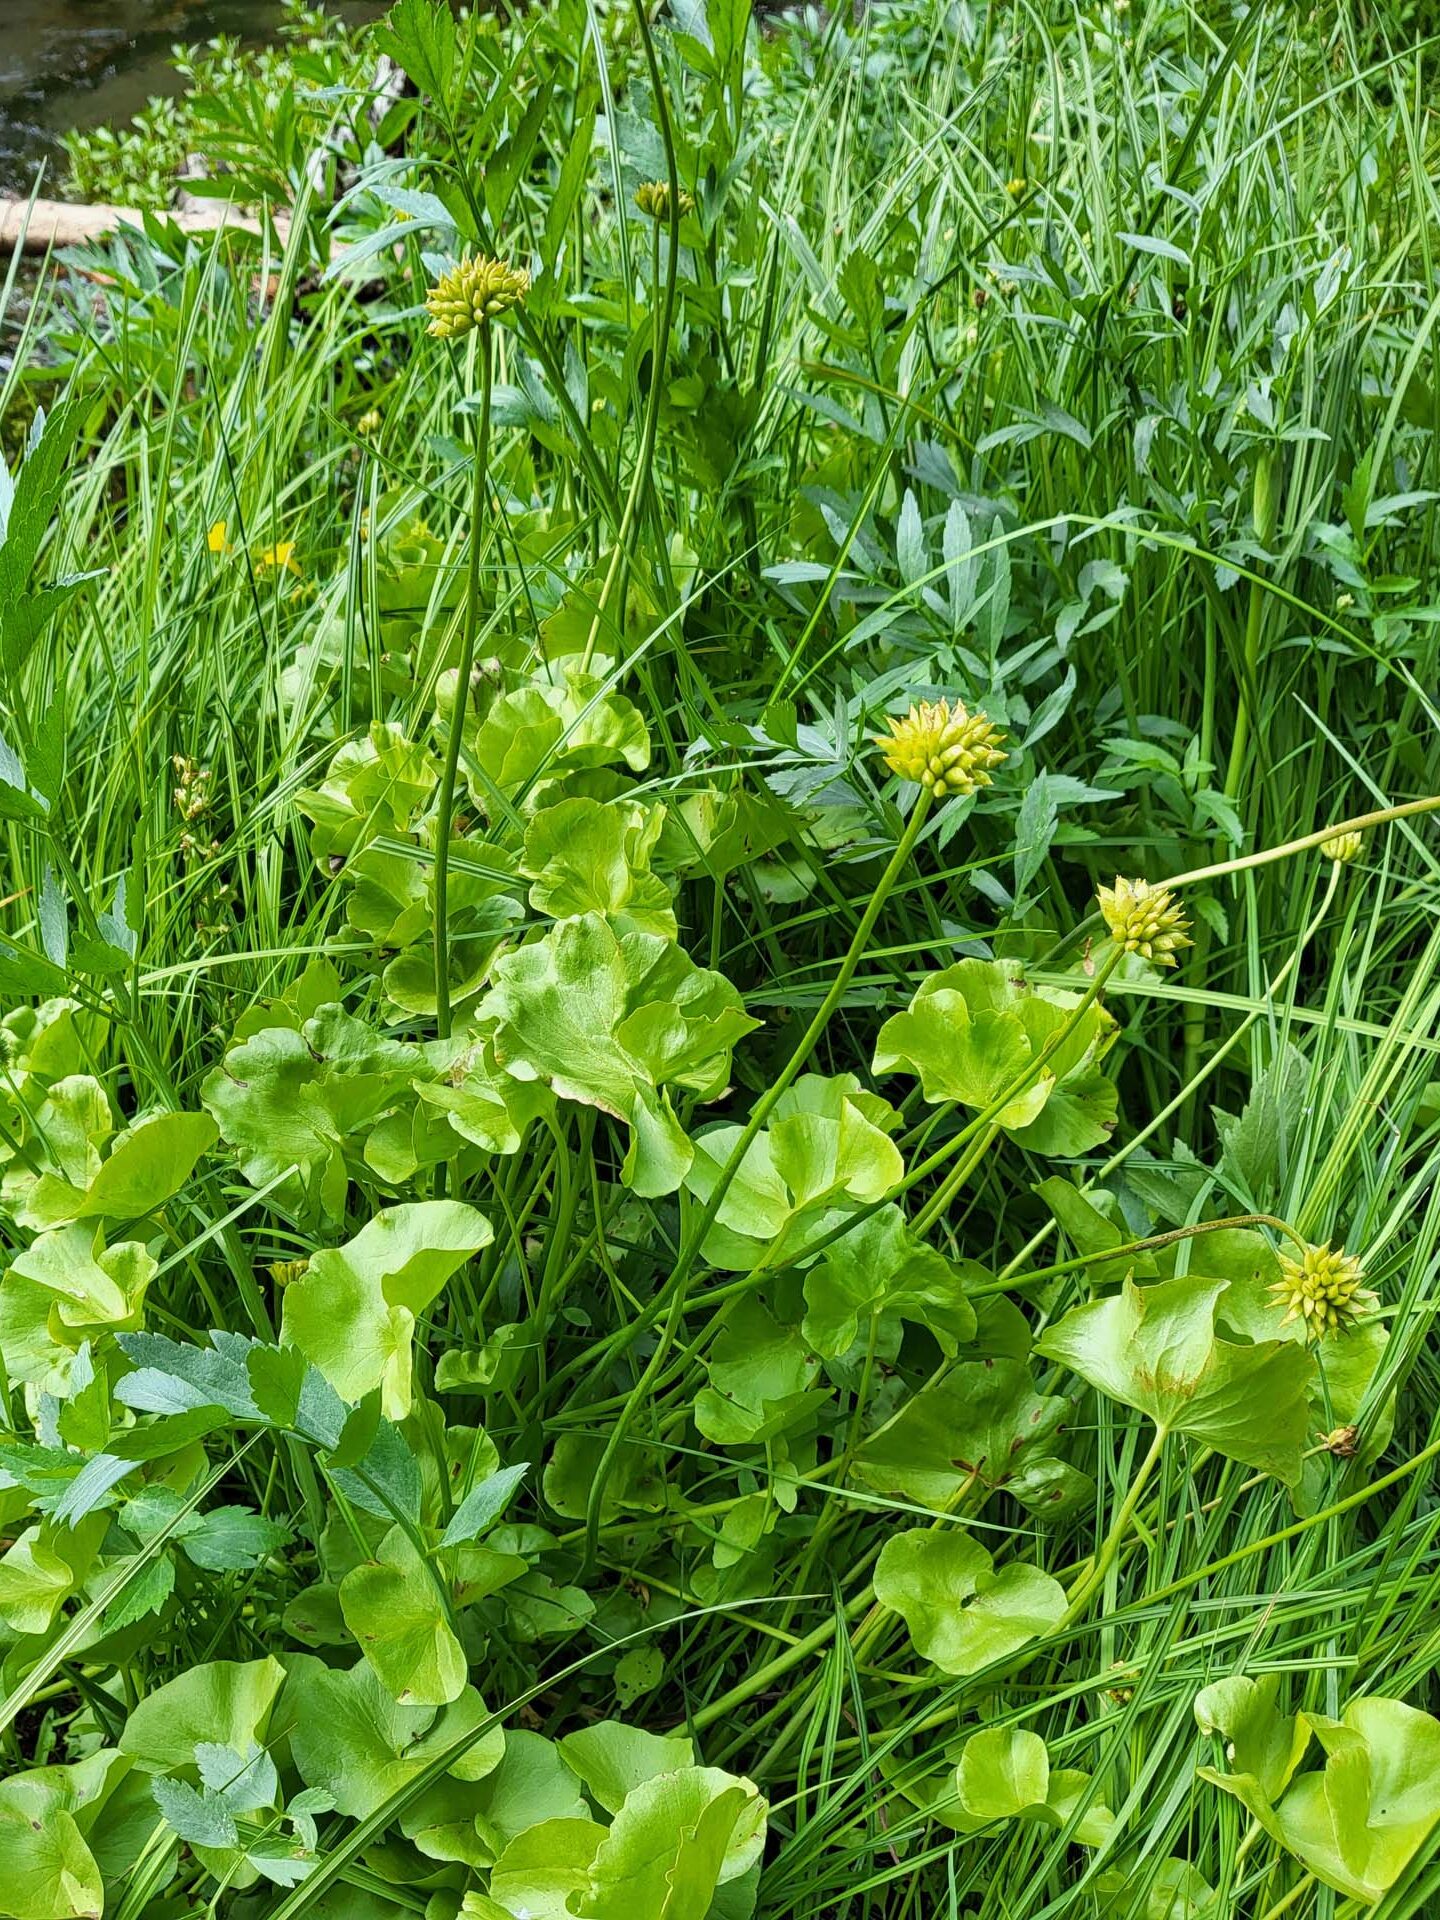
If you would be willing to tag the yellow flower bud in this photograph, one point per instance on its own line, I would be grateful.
(1324, 1288)
(476, 291)
(653, 198)
(1145, 920)
(1342, 846)
(947, 749)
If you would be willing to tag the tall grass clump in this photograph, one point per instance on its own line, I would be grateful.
(720, 1120)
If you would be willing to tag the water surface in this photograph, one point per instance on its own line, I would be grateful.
(88, 63)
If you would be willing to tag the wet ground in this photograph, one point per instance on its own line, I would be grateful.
(86, 63)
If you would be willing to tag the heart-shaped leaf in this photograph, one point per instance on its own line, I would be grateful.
(880, 1268)
(962, 1614)
(609, 1019)
(588, 856)
(351, 1738)
(978, 1029)
(1356, 1822)
(393, 1607)
(827, 1149)
(1155, 1348)
(676, 1839)
(984, 1426)
(353, 1311)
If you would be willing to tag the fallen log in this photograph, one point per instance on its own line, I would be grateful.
(35, 226)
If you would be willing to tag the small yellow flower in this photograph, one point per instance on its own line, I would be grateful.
(654, 198)
(369, 422)
(1325, 1289)
(215, 540)
(947, 749)
(279, 559)
(1017, 186)
(1145, 920)
(1342, 846)
(478, 290)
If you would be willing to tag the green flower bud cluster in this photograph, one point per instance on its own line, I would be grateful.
(478, 290)
(1325, 1289)
(947, 749)
(1145, 920)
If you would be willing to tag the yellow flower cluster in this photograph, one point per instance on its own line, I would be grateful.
(947, 749)
(478, 290)
(1325, 1289)
(1145, 920)
(277, 559)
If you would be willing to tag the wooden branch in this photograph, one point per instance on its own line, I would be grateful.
(37, 226)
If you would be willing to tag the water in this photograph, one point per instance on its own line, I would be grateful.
(87, 63)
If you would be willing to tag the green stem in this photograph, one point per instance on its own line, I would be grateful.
(773, 1670)
(1287, 1901)
(446, 806)
(953, 1182)
(664, 314)
(672, 1294)
(1232, 1222)
(1088, 1583)
(1304, 843)
(1192, 1086)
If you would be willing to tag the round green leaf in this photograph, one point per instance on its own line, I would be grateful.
(960, 1614)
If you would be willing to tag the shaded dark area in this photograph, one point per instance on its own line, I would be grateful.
(86, 63)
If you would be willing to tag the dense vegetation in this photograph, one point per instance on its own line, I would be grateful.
(613, 1304)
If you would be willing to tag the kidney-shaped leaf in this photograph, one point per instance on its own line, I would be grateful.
(961, 1613)
(983, 1424)
(47, 1872)
(1260, 1738)
(975, 1029)
(608, 1019)
(47, 1817)
(592, 856)
(676, 1839)
(225, 1701)
(1002, 1771)
(393, 1608)
(826, 1150)
(352, 1739)
(542, 1867)
(880, 1268)
(1155, 1348)
(613, 1759)
(353, 1311)
(1357, 1822)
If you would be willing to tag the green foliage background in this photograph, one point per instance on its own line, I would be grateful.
(603, 1313)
